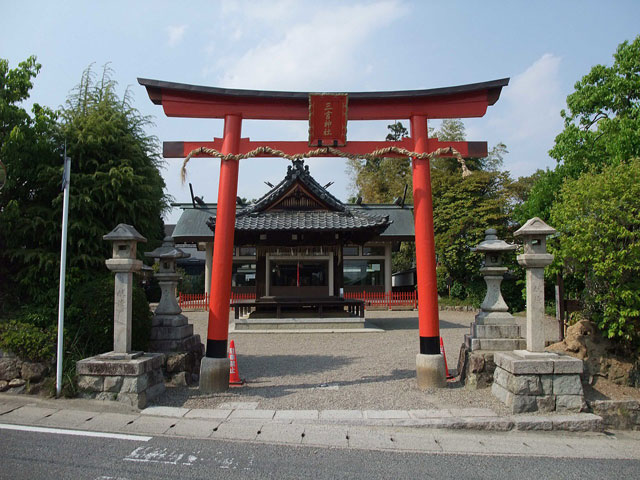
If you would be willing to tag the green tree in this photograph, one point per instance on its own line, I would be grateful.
(115, 169)
(463, 206)
(601, 127)
(114, 179)
(598, 218)
(30, 202)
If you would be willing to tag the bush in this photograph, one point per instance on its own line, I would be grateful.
(28, 341)
(458, 291)
(598, 218)
(442, 275)
(89, 315)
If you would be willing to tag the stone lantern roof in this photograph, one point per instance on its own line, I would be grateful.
(535, 226)
(491, 243)
(167, 251)
(124, 232)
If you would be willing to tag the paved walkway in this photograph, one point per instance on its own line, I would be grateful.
(421, 431)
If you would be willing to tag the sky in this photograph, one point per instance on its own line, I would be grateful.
(324, 46)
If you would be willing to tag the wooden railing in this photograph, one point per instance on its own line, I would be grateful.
(200, 301)
(385, 299)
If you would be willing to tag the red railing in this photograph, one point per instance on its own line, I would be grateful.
(385, 299)
(200, 301)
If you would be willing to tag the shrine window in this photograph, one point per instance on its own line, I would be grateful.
(373, 251)
(363, 272)
(243, 274)
(351, 250)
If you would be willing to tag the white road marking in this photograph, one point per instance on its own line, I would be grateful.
(231, 463)
(161, 455)
(78, 433)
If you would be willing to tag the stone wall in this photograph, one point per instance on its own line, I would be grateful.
(618, 414)
(18, 376)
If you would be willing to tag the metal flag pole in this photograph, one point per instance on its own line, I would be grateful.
(66, 178)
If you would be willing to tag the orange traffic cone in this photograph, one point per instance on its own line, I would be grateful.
(234, 376)
(446, 369)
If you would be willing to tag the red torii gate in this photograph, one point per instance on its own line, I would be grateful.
(233, 105)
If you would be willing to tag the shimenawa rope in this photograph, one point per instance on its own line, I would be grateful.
(323, 152)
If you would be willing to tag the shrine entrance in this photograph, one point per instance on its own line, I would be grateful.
(328, 116)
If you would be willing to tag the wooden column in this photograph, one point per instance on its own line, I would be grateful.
(425, 245)
(218, 328)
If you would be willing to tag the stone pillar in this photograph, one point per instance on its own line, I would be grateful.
(123, 263)
(534, 259)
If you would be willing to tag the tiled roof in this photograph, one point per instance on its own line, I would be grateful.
(297, 172)
(312, 220)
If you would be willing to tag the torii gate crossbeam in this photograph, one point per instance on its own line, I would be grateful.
(180, 100)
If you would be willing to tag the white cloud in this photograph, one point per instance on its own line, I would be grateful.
(533, 101)
(316, 53)
(175, 32)
(527, 116)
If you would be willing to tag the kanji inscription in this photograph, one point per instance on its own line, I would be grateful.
(328, 119)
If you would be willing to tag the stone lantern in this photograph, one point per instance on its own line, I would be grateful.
(170, 330)
(534, 259)
(493, 306)
(123, 263)
(134, 378)
(167, 255)
(534, 380)
(494, 328)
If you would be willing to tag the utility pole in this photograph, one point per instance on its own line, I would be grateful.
(66, 178)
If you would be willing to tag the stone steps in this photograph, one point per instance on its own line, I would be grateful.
(494, 344)
(495, 331)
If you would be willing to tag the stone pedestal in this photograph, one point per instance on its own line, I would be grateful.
(171, 332)
(134, 379)
(530, 382)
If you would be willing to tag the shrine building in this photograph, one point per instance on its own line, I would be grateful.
(298, 240)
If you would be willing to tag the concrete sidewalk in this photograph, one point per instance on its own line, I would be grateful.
(399, 430)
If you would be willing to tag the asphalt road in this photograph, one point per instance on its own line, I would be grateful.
(36, 455)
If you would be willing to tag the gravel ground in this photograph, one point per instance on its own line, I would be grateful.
(340, 370)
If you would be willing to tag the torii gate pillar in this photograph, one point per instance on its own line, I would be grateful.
(214, 368)
(430, 368)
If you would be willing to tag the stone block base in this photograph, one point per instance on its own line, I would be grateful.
(183, 368)
(214, 375)
(135, 380)
(531, 382)
(346, 322)
(475, 368)
(430, 371)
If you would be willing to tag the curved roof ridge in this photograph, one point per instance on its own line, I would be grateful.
(298, 171)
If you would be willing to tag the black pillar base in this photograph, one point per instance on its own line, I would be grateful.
(429, 345)
(216, 348)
